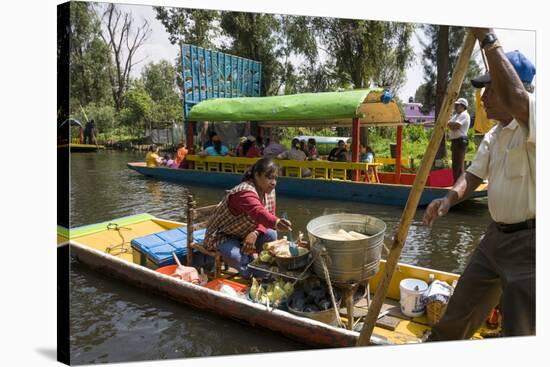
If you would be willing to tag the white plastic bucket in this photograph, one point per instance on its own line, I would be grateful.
(411, 291)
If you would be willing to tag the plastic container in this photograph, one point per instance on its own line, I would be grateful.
(188, 273)
(217, 283)
(411, 291)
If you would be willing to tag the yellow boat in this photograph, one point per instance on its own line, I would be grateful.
(106, 247)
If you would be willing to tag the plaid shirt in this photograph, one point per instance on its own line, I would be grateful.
(224, 225)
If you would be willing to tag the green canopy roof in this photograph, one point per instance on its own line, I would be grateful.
(297, 107)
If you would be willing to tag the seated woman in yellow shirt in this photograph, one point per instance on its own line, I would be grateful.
(152, 159)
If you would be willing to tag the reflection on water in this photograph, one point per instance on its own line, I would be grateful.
(114, 322)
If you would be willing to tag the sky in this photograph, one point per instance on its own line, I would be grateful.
(158, 47)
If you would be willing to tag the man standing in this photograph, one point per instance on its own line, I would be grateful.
(502, 267)
(458, 134)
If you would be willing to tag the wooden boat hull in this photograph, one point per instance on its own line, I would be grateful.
(90, 246)
(81, 147)
(307, 331)
(374, 193)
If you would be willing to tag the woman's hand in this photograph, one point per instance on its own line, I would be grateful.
(283, 225)
(249, 243)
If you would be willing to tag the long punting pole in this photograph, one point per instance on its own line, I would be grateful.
(398, 154)
(355, 143)
(418, 186)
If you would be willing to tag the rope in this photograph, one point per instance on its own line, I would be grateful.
(120, 246)
(333, 299)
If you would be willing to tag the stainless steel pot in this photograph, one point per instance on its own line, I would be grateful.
(347, 261)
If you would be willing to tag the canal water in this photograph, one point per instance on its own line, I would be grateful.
(114, 322)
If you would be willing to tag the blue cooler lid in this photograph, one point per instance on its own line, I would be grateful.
(158, 247)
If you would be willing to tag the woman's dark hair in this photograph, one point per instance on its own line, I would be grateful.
(217, 146)
(152, 148)
(295, 142)
(311, 141)
(264, 166)
(246, 145)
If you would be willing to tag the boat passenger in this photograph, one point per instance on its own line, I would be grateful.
(181, 155)
(502, 268)
(273, 148)
(216, 149)
(168, 161)
(338, 154)
(303, 146)
(367, 155)
(239, 150)
(250, 150)
(245, 219)
(152, 159)
(210, 141)
(296, 154)
(260, 145)
(311, 152)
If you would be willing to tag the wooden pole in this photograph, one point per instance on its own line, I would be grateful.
(398, 153)
(355, 145)
(416, 191)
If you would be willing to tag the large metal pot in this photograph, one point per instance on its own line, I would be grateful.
(347, 261)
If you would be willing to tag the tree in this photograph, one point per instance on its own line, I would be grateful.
(90, 59)
(366, 52)
(137, 110)
(124, 40)
(191, 26)
(440, 54)
(159, 80)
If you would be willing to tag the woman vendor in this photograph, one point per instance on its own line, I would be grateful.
(245, 219)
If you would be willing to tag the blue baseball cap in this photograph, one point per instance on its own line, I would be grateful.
(524, 68)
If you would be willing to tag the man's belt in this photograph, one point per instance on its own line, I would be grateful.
(514, 227)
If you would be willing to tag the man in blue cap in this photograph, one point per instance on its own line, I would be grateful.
(501, 270)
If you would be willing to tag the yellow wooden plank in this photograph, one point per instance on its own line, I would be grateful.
(112, 239)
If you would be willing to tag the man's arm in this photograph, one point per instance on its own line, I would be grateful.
(505, 81)
(462, 189)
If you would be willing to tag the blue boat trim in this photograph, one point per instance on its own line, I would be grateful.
(384, 194)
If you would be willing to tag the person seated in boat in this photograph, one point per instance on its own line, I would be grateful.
(273, 148)
(367, 155)
(250, 150)
(152, 159)
(296, 154)
(181, 155)
(216, 149)
(168, 161)
(338, 154)
(210, 140)
(245, 219)
(239, 150)
(303, 146)
(311, 152)
(260, 145)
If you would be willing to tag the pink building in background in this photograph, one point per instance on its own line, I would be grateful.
(414, 115)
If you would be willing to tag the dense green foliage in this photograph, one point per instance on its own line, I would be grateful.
(332, 54)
